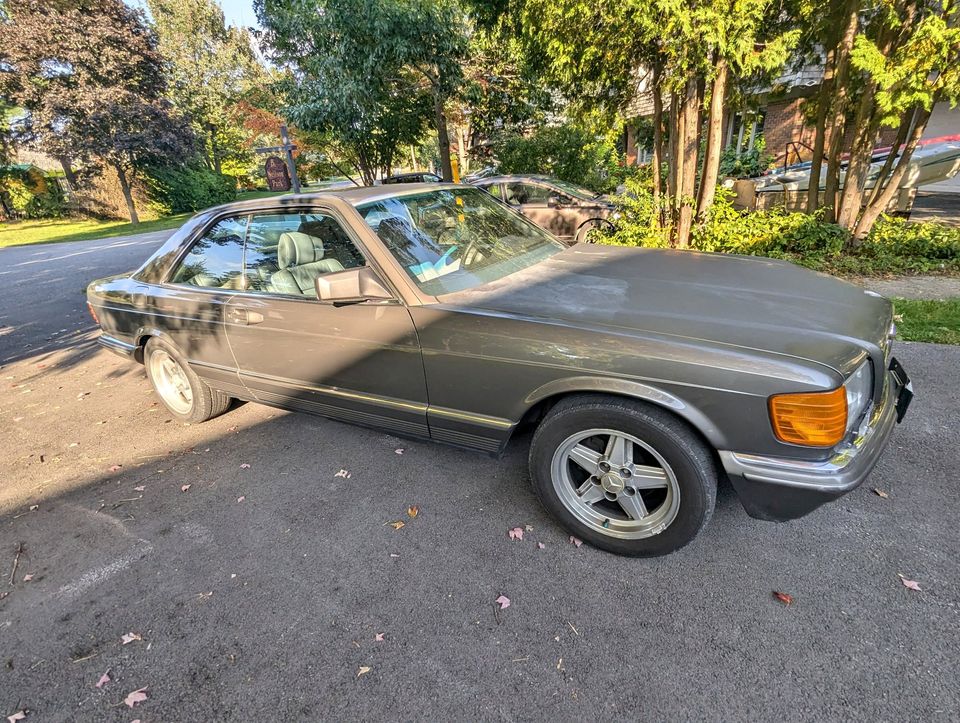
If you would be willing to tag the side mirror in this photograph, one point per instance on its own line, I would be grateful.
(351, 286)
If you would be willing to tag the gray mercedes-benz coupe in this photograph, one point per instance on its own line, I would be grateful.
(435, 311)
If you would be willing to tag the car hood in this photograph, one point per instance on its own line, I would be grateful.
(746, 301)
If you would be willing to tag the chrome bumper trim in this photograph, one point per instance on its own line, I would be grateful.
(118, 347)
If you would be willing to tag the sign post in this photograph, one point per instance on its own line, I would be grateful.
(273, 165)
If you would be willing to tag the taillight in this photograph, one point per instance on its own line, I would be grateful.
(93, 313)
(817, 419)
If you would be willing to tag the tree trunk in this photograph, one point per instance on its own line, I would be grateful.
(214, 151)
(879, 203)
(858, 165)
(413, 159)
(905, 125)
(688, 178)
(443, 138)
(836, 118)
(657, 161)
(675, 162)
(820, 132)
(127, 193)
(68, 172)
(711, 161)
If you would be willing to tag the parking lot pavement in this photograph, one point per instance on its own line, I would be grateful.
(258, 592)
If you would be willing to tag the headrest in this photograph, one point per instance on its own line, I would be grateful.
(296, 249)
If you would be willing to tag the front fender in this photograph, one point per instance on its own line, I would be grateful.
(627, 388)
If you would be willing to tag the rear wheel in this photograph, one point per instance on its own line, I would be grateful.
(184, 394)
(623, 475)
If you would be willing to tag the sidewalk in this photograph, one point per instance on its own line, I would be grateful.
(914, 287)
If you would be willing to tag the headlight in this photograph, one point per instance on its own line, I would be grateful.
(859, 388)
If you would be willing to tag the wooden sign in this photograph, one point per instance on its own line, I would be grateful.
(278, 177)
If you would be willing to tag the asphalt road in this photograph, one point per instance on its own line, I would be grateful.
(258, 592)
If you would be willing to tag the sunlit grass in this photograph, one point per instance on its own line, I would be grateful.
(926, 320)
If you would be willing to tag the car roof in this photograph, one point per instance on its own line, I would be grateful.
(514, 178)
(354, 196)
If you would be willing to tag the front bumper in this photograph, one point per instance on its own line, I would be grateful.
(772, 488)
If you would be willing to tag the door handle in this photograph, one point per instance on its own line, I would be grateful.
(243, 316)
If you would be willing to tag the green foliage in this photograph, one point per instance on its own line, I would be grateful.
(567, 152)
(370, 73)
(180, 189)
(748, 164)
(928, 320)
(893, 246)
(28, 194)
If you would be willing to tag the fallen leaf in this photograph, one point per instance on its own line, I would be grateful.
(528, 528)
(139, 488)
(576, 541)
(393, 555)
(33, 508)
(364, 669)
(137, 696)
(912, 584)
(104, 679)
(397, 525)
(378, 637)
(184, 488)
(398, 451)
(28, 577)
(115, 467)
(783, 597)
(516, 533)
(244, 466)
(129, 638)
(413, 510)
(241, 498)
(540, 545)
(503, 601)
(232, 429)
(880, 493)
(19, 715)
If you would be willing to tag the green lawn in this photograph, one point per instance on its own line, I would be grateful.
(45, 231)
(933, 321)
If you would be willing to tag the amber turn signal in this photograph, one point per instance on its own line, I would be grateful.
(814, 420)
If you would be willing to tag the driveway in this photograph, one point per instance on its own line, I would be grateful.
(252, 564)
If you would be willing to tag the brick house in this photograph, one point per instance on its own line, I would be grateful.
(776, 113)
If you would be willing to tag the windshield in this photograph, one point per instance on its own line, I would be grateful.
(574, 190)
(455, 239)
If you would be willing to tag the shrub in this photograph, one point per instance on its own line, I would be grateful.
(893, 246)
(567, 151)
(180, 189)
(28, 193)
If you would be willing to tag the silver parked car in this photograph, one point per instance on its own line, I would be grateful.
(434, 311)
(568, 211)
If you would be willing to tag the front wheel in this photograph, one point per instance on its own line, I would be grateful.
(184, 394)
(625, 476)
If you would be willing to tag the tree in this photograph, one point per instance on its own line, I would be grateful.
(885, 65)
(89, 75)
(372, 72)
(691, 51)
(210, 68)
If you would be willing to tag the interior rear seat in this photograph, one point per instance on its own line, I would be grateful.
(301, 260)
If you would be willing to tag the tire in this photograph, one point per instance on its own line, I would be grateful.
(662, 496)
(185, 395)
(583, 233)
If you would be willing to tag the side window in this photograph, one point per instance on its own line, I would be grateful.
(522, 193)
(286, 252)
(216, 259)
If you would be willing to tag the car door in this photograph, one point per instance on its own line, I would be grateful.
(189, 307)
(533, 201)
(358, 362)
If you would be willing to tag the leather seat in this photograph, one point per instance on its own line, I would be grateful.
(301, 260)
